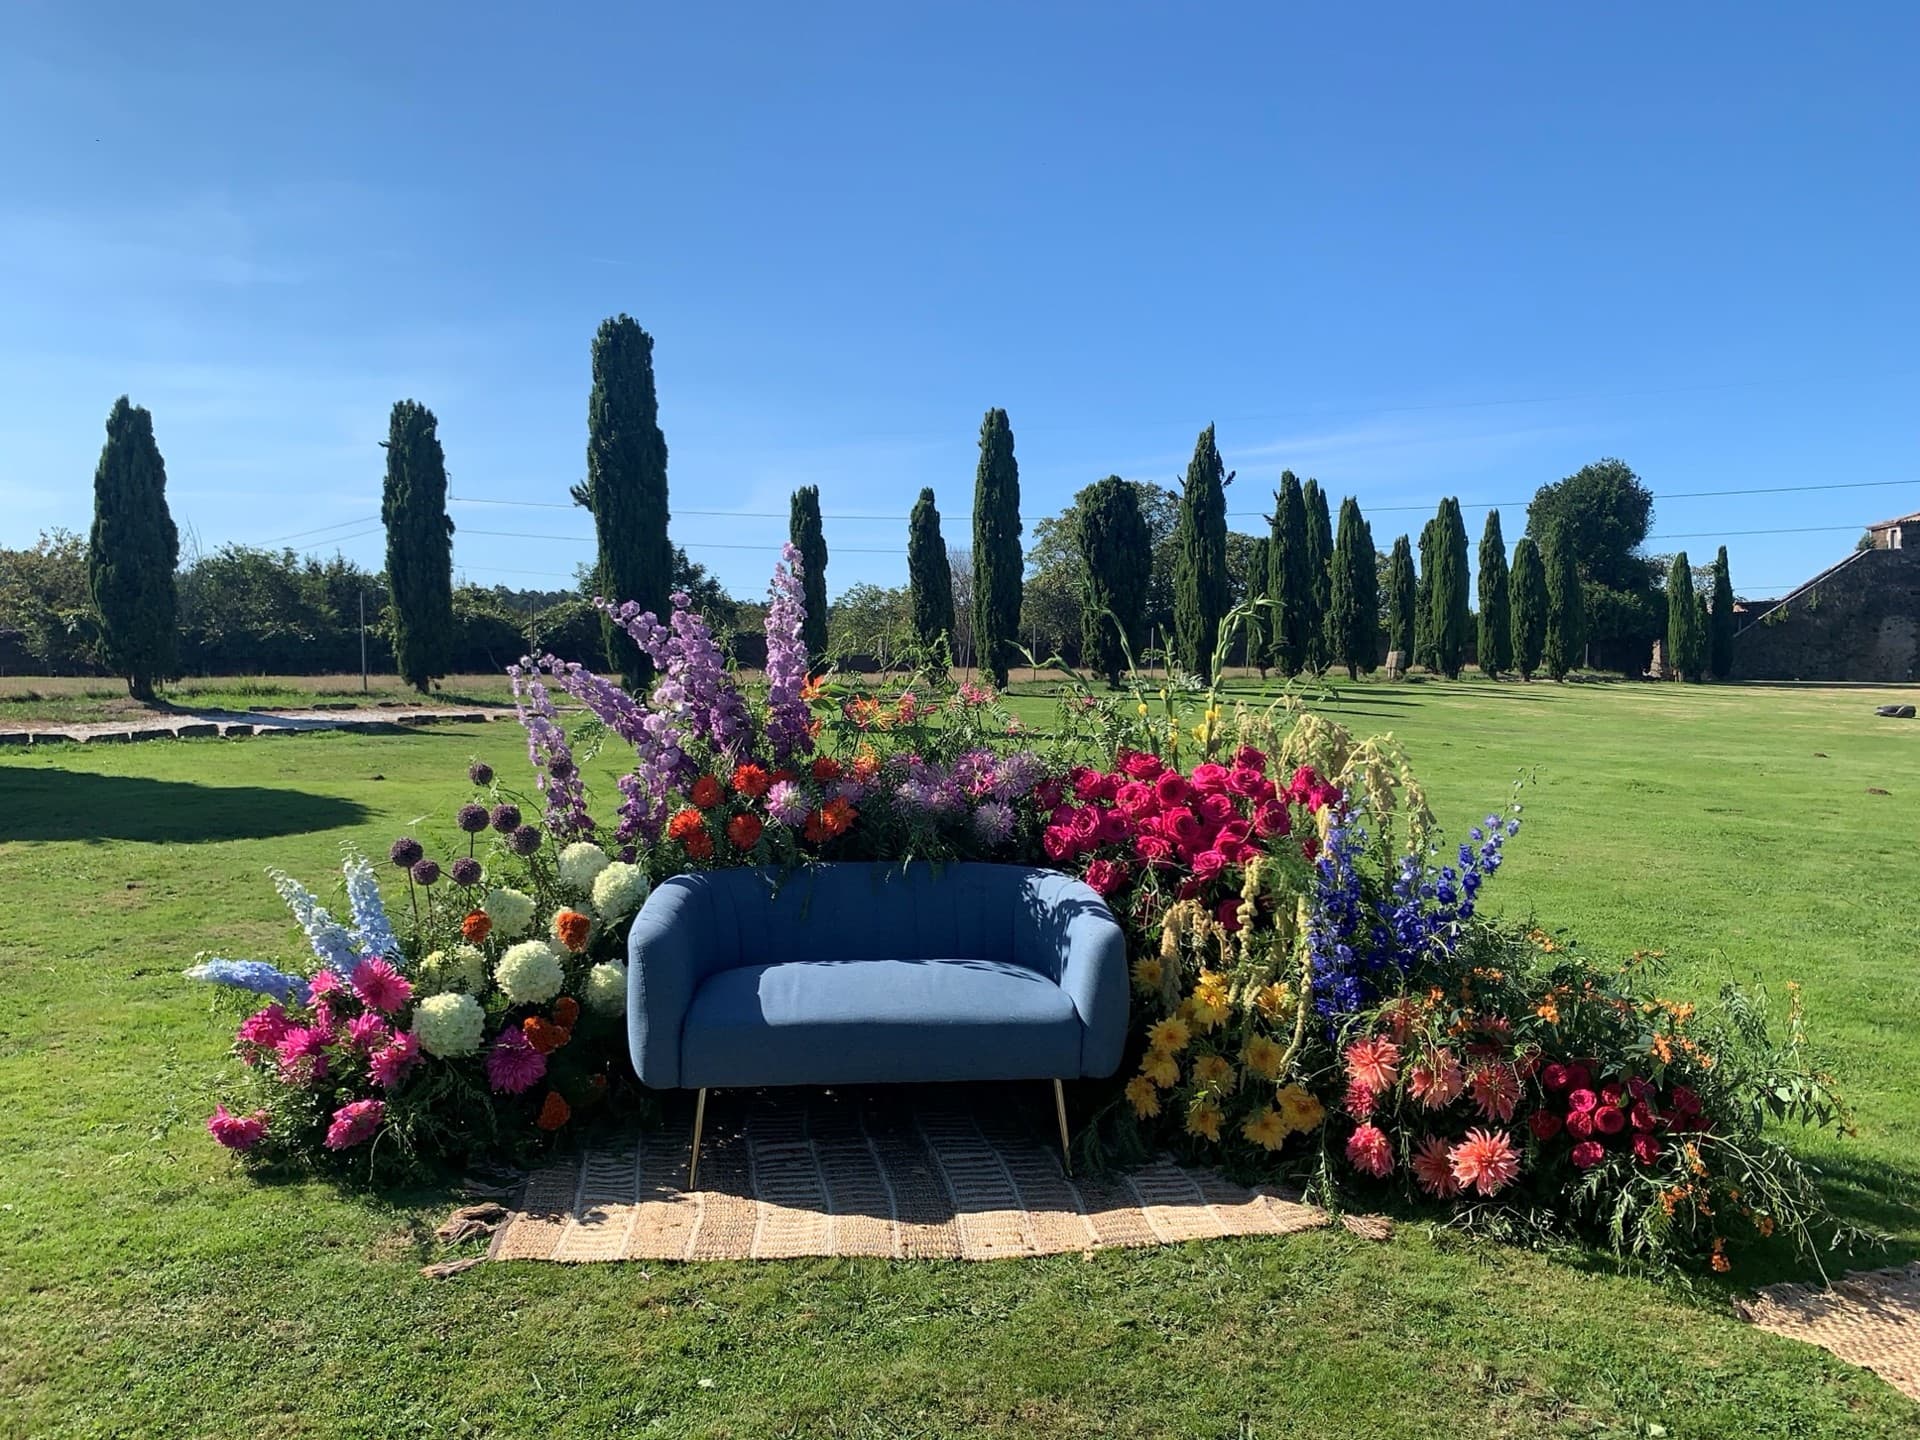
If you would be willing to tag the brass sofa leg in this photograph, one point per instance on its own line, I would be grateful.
(693, 1159)
(1060, 1112)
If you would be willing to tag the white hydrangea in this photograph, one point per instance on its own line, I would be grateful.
(510, 910)
(530, 973)
(449, 1025)
(463, 968)
(606, 989)
(619, 890)
(580, 864)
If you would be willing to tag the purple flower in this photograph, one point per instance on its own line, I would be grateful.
(466, 871)
(524, 840)
(405, 851)
(425, 871)
(480, 773)
(504, 818)
(471, 818)
(787, 803)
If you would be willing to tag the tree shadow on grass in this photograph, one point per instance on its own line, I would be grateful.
(54, 804)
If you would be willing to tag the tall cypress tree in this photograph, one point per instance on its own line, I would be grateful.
(1423, 598)
(1566, 606)
(1451, 614)
(1686, 641)
(1202, 590)
(929, 575)
(1353, 608)
(132, 552)
(413, 506)
(996, 548)
(1257, 627)
(1529, 586)
(1720, 621)
(626, 486)
(1322, 649)
(810, 539)
(1401, 603)
(1116, 556)
(1495, 649)
(1289, 583)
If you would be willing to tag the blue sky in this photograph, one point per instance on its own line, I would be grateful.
(1413, 251)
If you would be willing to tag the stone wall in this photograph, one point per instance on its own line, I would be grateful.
(1861, 623)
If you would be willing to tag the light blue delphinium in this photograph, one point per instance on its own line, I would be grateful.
(326, 935)
(255, 975)
(371, 928)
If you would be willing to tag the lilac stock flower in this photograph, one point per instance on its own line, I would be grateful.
(787, 715)
(547, 747)
(425, 872)
(504, 818)
(787, 803)
(405, 851)
(466, 871)
(471, 818)
(480, 773)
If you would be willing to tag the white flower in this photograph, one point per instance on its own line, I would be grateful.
(606, 989)
(530, 973)
(463, 968)
(510, 911)
(580, 863)
(449, 1025)
(619, 890)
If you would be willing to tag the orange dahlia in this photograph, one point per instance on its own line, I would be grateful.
(555, 1112)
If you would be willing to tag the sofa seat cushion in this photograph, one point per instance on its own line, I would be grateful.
(859, 1022)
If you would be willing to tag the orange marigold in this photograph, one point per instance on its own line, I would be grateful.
(544, 1035)
(566, 1011)
(685, 823)
(705, 792)
(744, 831)
(751, 781)
(476, 927)
(571, 929)
(555, 1111)
(699, 845)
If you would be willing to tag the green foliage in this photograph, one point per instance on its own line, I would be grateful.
(1115, 557)
(1529, 592)
(1686, 639)
(413, 506)
(1353, 610)
(996, 548)
(1289, 579)
(1322, 649)
(1449, 615)
(810, 539)
(1495, 649)
(132, 552)
(1202, 591)
(1400, 602)
(1720, 620)
(1566, 633)
(626, 485)
(929, 575)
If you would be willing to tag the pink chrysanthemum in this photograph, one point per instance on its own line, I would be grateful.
(392, 1062)
(1374, 1063)
(1433, 1168)
(1496, 1090)
(1485, 1161)
(265, 1028)
(367, 1033)
(237, 1132)
(1436, 1080)
(1368, 1151)
(513, 1065)
(380, 986)
(354, 1124)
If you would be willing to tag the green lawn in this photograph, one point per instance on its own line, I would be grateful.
(148, 1288)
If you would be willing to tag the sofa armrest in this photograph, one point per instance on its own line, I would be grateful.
(671, 948)
(1070, 934)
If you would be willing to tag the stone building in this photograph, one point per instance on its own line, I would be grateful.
(1858, 620)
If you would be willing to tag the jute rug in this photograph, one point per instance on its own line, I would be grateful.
(1871, 1319)
(932, 1175)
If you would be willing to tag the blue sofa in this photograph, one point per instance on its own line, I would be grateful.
(855, 974)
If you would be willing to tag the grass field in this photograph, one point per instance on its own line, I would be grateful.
(147, 1288)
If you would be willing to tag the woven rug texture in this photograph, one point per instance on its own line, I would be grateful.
(786, 1174)
(1870, 1319)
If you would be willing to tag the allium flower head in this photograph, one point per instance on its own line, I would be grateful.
(379, 986)
(471, 818)
(355, 1124)
(237, 1132)
(404, 851)
(513, 1065)
(449, 1025)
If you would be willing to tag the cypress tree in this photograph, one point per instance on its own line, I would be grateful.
(1496, 617)
(1401, 603)
(996, 548)
(1686, 640)
(929, 575)
(1566, 606)
(626, 486)
(1116, 555)
(1720, 621)
(1289, 584)
(1353, 609)
(1423, 599)
(1529, 586)
(804, 530)
(132, 553)
(413, 506)
(1322, 648)
(1257, 627)
(1202, 590)
(1450, 615)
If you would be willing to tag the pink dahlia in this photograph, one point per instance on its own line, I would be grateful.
(513, 1065)
(265, 1028)
(1436, 1079)
(1434, 1169)
(1485, 1161)
(237, 1132)
(355, 1123)
(1496, 1090)
(1588, 1153)
(1368, 1151)
(367, 1033)
(392, 1061)
(380, 986)
(1374, 1063)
